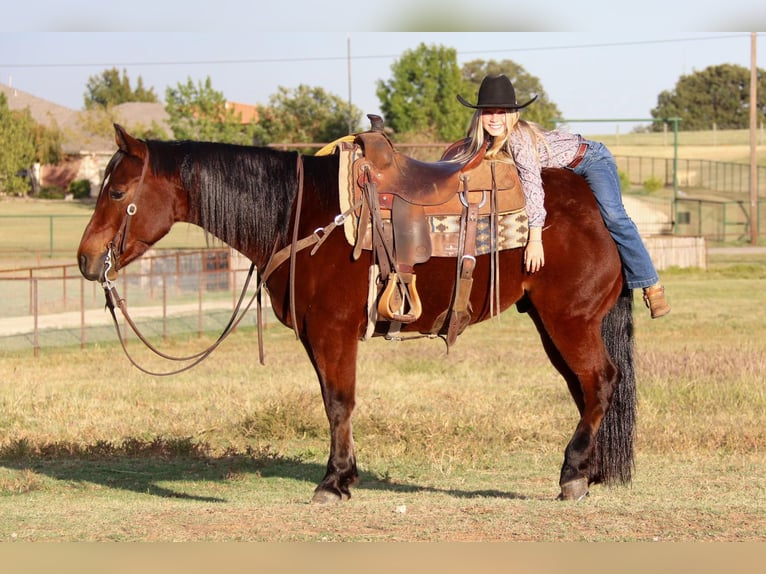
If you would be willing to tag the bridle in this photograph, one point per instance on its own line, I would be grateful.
(114, 250)
(122, 233)
(277, 258)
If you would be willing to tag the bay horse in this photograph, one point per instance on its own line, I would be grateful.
(251, 197)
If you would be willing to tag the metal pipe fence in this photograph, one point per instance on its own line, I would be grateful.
(168, 293)
(726, 179)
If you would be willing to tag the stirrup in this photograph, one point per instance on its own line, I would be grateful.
(398, 289)
(654, 299)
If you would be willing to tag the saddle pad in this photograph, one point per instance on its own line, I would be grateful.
(444, 222)
(512, 232)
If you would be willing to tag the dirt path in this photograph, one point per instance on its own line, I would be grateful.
(92, 317)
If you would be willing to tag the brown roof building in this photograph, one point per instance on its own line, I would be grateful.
(87, 152)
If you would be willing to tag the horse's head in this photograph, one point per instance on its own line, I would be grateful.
(134, 210)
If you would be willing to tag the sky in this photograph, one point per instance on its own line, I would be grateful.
(603, 74)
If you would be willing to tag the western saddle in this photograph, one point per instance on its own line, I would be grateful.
(398, 194)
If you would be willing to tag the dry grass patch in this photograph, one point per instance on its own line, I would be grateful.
(464, 445)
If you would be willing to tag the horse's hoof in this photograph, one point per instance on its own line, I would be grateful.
(574, 490)
(327, 497)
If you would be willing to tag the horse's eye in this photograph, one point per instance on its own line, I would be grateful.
(116, 194)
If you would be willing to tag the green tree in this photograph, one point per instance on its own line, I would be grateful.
(17, 148)
(198, 112)
(110, 89)
(306, 115)
(48, 143)
(420, 98)
(100, 122)
(718, 96)
(542, 111)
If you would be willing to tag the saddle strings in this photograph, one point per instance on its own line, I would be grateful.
(494, 289)
(293, 251)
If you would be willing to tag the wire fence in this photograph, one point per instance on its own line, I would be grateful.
(168, 293)
(726, 179)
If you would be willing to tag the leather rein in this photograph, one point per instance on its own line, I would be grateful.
(277, 258)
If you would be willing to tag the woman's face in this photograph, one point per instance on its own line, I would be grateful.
(494, 121)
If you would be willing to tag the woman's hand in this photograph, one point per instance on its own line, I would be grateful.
(534, 254)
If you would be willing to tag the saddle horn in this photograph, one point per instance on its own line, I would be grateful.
(376, 123)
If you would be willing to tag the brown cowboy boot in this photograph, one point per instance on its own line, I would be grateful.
(654, 298)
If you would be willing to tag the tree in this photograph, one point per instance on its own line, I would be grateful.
(306, 115)
(718, 96)
(17, 148)
(542, 111)
(199, 112)
(421, 95)
(48, 143)
(109, 89)
(100, 122)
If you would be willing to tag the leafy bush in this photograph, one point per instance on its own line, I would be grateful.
(653, 183)
(80, 189)
(624, 180)
(51, 192)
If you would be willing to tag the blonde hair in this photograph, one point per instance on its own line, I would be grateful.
(501, 146)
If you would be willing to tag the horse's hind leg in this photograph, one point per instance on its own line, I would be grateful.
(579, 354)
(333, 354)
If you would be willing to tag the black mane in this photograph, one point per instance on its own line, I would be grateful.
(241, 194)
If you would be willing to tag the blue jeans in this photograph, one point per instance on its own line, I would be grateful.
(600, 171)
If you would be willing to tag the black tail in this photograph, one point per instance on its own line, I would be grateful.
(612, 459)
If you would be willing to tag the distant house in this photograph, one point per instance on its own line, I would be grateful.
(86, 153)
(247, 112)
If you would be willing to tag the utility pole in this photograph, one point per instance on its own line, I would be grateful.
(753, 143)
(348, 64)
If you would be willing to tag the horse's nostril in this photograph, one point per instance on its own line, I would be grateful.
(83, 262)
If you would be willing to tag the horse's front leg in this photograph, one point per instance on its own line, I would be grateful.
(333, 352)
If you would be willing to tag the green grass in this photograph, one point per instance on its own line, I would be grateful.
(720, 145)
(43, 232)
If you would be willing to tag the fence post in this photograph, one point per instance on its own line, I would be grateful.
(35, 338)
(164, 307)
(178, 272)
(199, 300)
(31, 292)
(233, 283)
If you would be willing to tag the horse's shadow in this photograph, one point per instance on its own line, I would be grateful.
(146, 475)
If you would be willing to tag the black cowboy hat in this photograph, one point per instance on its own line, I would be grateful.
(496, 92)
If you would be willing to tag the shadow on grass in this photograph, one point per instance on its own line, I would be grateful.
(144, 467)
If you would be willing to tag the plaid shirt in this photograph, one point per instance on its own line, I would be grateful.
(557, 150)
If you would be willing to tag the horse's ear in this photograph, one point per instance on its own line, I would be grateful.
(127, 143)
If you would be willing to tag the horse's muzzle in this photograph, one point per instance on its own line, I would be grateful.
(91, 268)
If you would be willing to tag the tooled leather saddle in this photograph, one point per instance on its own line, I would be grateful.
(412, 210)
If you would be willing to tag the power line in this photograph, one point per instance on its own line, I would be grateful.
(611, 44)
(370, 57)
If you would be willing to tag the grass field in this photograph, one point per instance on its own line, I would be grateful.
(720, 145)
(45, 232)
(462, 446)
